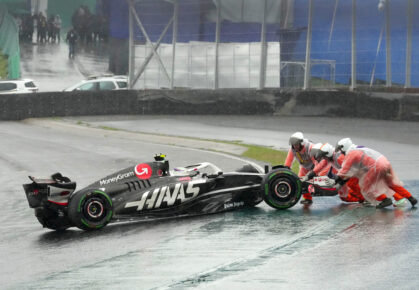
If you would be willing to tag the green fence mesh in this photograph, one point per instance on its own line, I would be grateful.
(9, 45)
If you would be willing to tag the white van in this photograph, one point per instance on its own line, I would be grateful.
(23, 86)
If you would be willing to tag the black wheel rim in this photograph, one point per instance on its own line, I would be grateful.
(282, 189)
(94, 209)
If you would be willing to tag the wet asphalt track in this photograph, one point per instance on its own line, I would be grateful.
(51, 69)
(329, 246)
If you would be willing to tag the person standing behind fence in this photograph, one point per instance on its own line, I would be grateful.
(71, 39)
(28, 27)
(51, 29)
(42, 28)
(57, 26)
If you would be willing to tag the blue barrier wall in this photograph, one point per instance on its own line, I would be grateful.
(195, 26)
(370, 22)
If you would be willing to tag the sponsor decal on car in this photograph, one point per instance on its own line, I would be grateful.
(116, 178)
(186, 178)
(143, 171)
(321, 178)
(321, 181)
(167, 195)
(231, 205)
(33, 193)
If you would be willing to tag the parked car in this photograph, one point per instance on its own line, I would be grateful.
(100, 83)
(23, 86)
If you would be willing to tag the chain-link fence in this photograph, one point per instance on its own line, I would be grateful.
(371, 36)
(273, 43)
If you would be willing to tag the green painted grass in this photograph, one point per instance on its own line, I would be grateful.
(109, 128)
(269, 155)
(260, 153)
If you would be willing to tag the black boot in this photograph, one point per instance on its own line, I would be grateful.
(384, 203)
(306, 202)
(413, 201)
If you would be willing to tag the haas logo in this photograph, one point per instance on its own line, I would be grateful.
(167, 196)
(143, 171)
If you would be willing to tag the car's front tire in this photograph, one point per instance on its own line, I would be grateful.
(281, 188)
(90, 210)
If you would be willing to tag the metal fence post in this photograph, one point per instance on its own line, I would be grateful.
(308, 47)
(131, 63)
(175, 30)
(388, 45)
(353, 50)
(263, 48)
(217, 44)
(409, 44)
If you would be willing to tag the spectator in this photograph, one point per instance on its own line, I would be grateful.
(71, 39)
(57, 26)
(51, 29)
(41, 28)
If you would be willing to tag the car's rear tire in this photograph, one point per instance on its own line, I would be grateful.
(90, 210)
(281, 188)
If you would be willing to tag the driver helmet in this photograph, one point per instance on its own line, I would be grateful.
(296, 140)
(325, 151)
(315, 150)
(343, 145)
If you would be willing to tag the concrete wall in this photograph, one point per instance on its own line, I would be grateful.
(383, 106)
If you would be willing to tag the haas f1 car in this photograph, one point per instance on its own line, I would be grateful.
(151, 190)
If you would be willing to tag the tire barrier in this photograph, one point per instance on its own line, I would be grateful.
(382, 106)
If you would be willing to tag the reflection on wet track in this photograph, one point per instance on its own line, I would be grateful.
(51, 69)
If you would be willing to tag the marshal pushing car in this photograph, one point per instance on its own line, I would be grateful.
(151, 190)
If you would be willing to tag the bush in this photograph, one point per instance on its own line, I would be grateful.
(3, 66)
